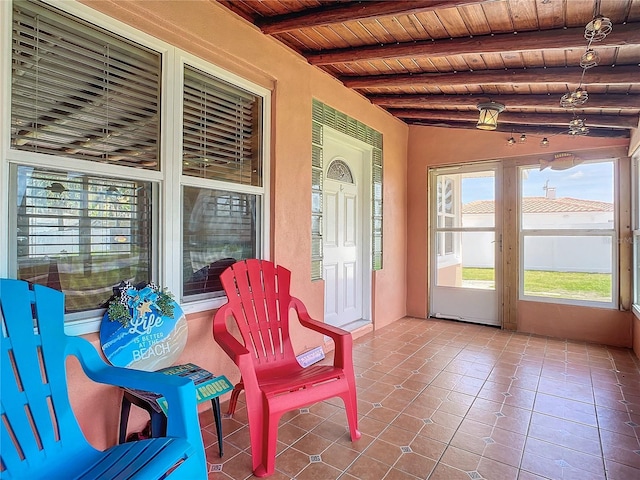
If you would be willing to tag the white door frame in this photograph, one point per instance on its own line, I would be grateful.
(473, 296)
(365, 194)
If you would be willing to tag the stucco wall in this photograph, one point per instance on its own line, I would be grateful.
(207, 30)
(432, 146)
(597, 325)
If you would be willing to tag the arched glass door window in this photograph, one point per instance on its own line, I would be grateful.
(339, 171)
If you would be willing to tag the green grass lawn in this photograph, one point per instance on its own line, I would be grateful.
(578, 285)
(485, 274)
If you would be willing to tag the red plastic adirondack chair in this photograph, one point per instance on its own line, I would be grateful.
(259, 301)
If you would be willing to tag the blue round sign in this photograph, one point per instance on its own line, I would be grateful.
(145, 338)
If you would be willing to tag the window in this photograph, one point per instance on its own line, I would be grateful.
(568, 233)
(463, 212)
(219, 229)
(82, 234)
(221, 142)
(97, 188)
(82, 93)
(446, 216)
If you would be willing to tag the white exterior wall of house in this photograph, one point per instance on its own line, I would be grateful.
(593, 254)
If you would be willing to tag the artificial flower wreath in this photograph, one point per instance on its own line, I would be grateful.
(129, 299)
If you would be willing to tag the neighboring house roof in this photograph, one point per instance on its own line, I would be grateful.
(543, 205)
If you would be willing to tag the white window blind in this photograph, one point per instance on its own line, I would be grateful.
(221, 131)
(78, 91)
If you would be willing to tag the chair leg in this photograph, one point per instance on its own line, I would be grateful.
(215, 403)
(269, 447)
(351, 407)
(158, 424)
(233, 401)
(256, 428)
(124, 419)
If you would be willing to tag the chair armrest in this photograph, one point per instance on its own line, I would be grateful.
(182, 419)
(305, 319)
(221, 335)
(231, 346)
(238, 353)
(342, 338)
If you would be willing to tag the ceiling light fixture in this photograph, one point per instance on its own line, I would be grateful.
(577, 127)
(598, 29)
(574, 99)
(576, 123)
(589, 59)
(523, 138)
(488, 118)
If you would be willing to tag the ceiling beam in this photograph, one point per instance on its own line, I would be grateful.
(622, 35)
(537, 131)
(595, 102)
(351, 12)
(603, 75)
(551, 119)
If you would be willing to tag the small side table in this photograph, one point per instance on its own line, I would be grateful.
(208, 386)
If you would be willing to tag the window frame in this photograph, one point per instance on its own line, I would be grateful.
(453, 257)
(168, 180)
(613, 235)
(635, 229)
(443, 215)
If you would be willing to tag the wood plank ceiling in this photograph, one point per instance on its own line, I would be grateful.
(430, 62)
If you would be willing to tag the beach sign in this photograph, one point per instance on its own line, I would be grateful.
(143, 328)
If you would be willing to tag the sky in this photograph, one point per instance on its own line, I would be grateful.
(587, 181)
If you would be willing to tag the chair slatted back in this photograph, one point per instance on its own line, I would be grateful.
(258, 293)
(36, 414)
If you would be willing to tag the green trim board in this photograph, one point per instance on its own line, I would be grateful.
(324, 115)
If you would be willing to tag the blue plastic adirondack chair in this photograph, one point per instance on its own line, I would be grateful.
(40, 437)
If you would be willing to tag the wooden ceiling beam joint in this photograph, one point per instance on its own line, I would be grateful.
(628, 34)
(351, 12)
(608, 76)
(596, 101)
(604, 121)
(538, 131)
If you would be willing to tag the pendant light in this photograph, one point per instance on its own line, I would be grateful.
(488, 118)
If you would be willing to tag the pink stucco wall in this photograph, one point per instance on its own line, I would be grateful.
(430, 146)
(597, 325)
(209, 31)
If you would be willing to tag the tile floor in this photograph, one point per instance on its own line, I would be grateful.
(445, 400)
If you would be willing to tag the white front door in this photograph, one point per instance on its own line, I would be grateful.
(465, 244)
(343, 232)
